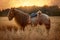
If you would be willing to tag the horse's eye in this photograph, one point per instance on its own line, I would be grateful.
(11, 13)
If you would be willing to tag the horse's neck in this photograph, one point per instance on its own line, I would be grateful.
(20, 14)
(19, 11)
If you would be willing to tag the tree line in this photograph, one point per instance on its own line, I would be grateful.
(49, 10)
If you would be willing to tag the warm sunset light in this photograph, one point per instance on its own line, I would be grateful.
(26, 4)
(30, 3)
(17, 3)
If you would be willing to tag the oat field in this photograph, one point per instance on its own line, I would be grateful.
(9, 30)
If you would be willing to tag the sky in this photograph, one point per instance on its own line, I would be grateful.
(4, 4)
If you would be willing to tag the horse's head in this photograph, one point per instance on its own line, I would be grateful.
(11, 14)
(39, 12)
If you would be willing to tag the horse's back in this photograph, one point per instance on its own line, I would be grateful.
(43, 18)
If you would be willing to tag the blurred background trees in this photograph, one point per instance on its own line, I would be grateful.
(49, 10)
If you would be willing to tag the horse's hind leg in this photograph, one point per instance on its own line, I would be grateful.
(48, 25)
(47, 28)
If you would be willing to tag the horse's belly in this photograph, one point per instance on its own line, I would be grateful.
(34, 20)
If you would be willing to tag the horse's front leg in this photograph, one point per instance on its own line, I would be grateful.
(22, 28)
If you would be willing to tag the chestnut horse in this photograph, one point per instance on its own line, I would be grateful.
(21, 18)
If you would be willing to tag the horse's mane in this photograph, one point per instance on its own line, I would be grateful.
(21, 11)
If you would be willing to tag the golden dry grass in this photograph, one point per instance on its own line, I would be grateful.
(9, 30)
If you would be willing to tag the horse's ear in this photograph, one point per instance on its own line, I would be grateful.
(39, 12)
(11, 8)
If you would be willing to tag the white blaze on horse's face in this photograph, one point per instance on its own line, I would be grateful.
(39, 12)
(10, 15)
